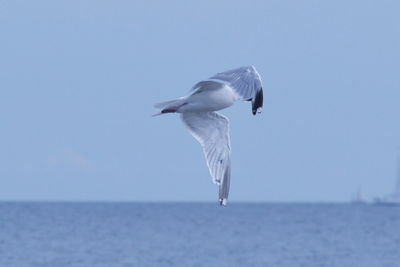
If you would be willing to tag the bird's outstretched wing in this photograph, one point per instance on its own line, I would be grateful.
(212, 131)
(246, 82)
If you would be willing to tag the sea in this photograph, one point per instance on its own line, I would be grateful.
(34, 234)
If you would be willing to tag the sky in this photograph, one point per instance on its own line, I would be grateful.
(78, 80)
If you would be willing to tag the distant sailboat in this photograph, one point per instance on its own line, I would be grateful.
(358, 198)
(393, 199)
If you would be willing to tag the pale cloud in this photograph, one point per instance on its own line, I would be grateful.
(71, 158)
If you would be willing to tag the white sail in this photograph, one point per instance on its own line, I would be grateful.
(397, 188)
(393, 199)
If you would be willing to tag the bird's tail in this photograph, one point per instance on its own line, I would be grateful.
(170, 106)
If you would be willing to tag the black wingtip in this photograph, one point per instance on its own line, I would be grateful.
(223, 202)
(257, 102)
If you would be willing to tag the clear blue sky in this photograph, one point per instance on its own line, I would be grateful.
(78, 80)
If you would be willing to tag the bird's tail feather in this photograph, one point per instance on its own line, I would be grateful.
(169, 106)
(165, 104)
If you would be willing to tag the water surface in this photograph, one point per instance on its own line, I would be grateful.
(196, 234)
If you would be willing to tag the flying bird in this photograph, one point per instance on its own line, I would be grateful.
(211, 129)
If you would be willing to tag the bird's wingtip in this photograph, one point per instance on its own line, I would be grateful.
(223, 202)
(257, 111)
(257, 102)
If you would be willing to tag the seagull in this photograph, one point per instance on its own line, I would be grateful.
(211, 129)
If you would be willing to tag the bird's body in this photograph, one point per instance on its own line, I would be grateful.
(210, 96)
(219, 97)
(210, 128)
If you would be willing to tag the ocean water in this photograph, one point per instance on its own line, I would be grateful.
(195, 234)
